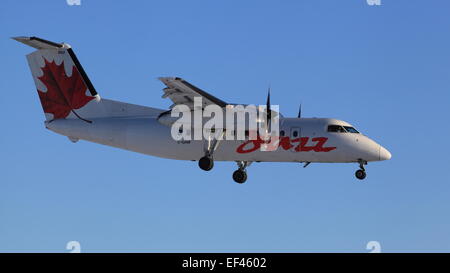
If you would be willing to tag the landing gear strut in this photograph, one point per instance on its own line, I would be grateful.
(206, 163)
(361, 173)
(240, 175)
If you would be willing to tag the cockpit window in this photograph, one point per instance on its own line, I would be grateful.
(342, 129)
(336, 129)
(351, 130)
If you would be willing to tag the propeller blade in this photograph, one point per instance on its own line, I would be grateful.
(268, 110)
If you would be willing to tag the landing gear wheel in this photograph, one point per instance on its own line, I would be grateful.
(240, 176)
(360, 174)
(206, 163)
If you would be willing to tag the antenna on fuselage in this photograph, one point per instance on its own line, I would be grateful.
(299, 111)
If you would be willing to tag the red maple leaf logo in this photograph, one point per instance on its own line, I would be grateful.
(64, 94)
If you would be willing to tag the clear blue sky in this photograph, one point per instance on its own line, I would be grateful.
(384, 69)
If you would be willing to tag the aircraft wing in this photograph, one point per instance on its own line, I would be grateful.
(182, 92)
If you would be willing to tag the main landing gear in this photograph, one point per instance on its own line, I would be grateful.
(240, 175)
(361, 173)
(206, 163)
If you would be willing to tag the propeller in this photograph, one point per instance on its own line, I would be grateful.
(268, 110)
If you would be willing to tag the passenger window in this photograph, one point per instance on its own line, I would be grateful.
(281, 133)
(336, 129)
(295, 134)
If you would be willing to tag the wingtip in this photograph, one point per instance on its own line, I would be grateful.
(167, 79)
(21, 38)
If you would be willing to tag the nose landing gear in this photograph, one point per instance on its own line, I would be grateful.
(361, 173)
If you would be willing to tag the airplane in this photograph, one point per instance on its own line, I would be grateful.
(74, 109)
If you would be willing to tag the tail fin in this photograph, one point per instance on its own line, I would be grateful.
(64, 88)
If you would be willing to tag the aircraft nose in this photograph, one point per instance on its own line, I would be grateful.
(384, 154)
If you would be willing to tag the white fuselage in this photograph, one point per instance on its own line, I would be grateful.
(305, 140)
(73, 108)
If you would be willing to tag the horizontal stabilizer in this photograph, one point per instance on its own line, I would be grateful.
(39, 43)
